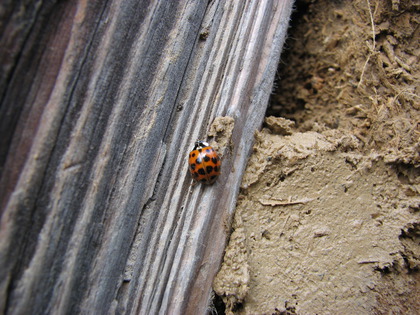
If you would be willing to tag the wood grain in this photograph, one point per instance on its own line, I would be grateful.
(100, 104)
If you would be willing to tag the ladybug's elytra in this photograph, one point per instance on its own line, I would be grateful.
(204, 163)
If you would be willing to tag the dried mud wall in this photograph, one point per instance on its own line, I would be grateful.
(328, 219)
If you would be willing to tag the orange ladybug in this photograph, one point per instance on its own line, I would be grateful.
(204, 163)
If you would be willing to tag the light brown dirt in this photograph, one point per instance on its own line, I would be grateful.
(328, 217)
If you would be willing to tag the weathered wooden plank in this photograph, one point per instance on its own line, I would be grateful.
(100, 107)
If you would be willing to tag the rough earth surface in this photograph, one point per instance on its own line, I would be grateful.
(328, 218)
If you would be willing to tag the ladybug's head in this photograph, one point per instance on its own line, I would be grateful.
(200, 144)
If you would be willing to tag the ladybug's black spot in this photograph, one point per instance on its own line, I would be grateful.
(192, 166)
(195, 175)
(199, 150)
(201, 171)
(212, 178)
(198, 160)
(206, 158)
(216, 169)
(192, 154)
(214, 160)
(209, 169)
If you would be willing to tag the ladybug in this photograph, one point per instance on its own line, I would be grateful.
(204, 163)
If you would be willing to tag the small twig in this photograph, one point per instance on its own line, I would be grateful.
(372, 49)
(282, 202)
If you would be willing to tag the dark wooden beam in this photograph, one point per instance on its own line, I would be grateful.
(100, 104)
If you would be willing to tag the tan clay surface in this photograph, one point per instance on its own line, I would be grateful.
(328, 217)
